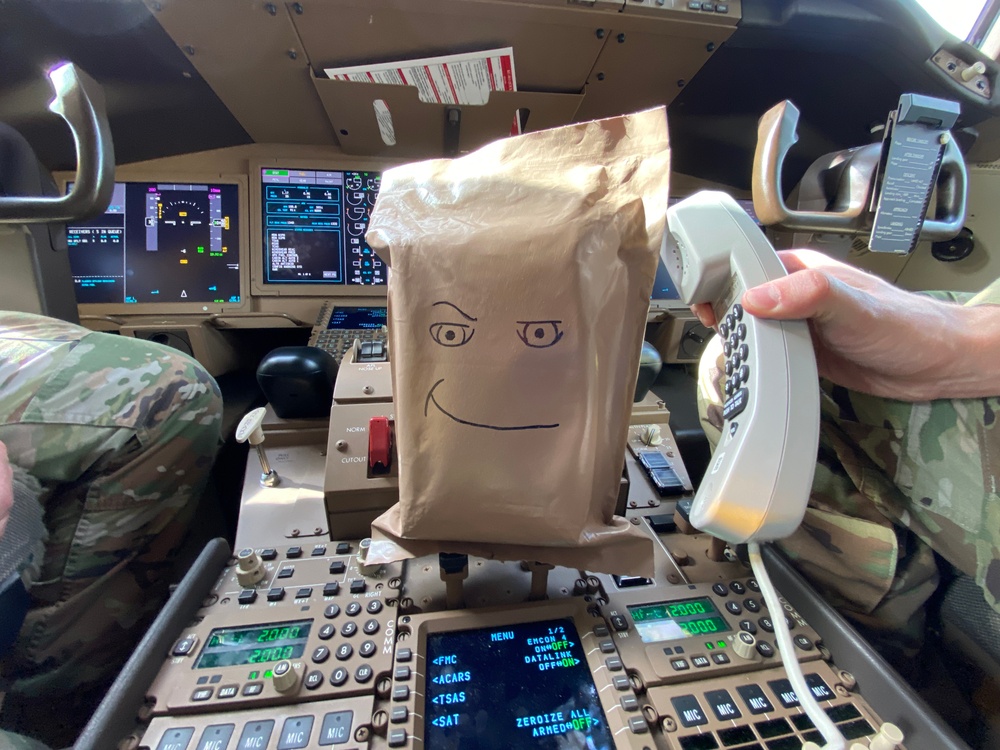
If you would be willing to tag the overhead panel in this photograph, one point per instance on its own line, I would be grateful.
(249, 54)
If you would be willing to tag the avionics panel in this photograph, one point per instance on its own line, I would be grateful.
(310, 224)
(164, 245)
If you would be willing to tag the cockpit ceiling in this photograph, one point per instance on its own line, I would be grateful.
(843, 62)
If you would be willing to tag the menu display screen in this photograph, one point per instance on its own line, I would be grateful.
(524, 685)
(684, 618)
(254, 644)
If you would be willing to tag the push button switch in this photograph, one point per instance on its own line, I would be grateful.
(723, 705)
(256, 735)
(176, 739)
(755, 699)
(689, 711)
(295, 733)
(336, 728)
(216, 736)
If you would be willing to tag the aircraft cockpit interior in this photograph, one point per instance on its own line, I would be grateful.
(544, 374)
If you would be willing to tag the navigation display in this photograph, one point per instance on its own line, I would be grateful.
(525, 685)
(159, 242)
(314, 225)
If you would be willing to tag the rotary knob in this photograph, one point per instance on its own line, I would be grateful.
(652, 436)
(285, 678)
(743, 645)
(249, 568)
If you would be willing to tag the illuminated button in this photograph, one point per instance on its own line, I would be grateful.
(637, 725)
(766, 624)
(765, 649)
(201, 694)
(320, 654)
(399, 714)
(339, 677)
(755, 699)
(229, 691)
(374, 606)
(723, 705)
(737, 588)
(689, 711)
(358, 586)
(294, 552)
(304, 593)
(619, 623)
(295, 731)
(247, 596)
(286, 572)
(331, 589)
(337, 566)
(363, 673)
(783, 689)
(401, 693)
(803, 642)
(401, 673)
(345, 651)
(268, 554)
(720, 658)
(621, 682)
(751, 604)
(343, 548)
(349, 629)
(700, 661)
(607, 647)
(371, 627)
(276, 594)
(253, 688)
(214, 737)
(176, 739)
(331, 611)
(397, 737)
(314, 679)
(336, 728)
(353, 608)
(614, 664)
(679, 665)
(720, 589)
(256, 734)
(367, 649)
(184, 646)
(319, 550)
(734, 608)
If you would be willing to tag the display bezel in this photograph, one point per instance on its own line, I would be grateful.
(679, 620)
(258, 272)
(204, 652)
(175, 308)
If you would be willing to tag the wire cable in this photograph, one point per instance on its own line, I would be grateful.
(786, 649)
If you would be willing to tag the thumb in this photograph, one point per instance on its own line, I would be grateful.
(808, 293)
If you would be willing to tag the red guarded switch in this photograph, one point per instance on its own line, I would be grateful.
(379, 445)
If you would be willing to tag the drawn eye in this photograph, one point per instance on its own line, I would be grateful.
(539, 334)
(451, 334)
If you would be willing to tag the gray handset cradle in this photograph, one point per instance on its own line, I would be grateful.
(760, 475)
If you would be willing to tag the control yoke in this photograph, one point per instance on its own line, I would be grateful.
(880, 191)
(80, 102)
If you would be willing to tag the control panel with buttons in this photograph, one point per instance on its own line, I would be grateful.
(312, 627)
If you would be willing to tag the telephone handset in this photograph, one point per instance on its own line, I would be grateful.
(760, 475)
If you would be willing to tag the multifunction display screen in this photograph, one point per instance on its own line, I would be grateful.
(685, 618)
(254, 644)
(159, 242)
(352, 318)
(525, 685)
(314, 227)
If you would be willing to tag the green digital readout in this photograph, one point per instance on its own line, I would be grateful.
(669, 621)
(254, 644)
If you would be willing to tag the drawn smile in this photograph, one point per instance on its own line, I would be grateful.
(431, 399)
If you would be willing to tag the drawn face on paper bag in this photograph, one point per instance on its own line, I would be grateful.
(514, 379)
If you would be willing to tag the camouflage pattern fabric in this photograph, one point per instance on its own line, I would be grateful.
(895, 482)
(121, 433)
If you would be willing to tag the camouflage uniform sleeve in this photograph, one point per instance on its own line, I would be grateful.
(121, 433)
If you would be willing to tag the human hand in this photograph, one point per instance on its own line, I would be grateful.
(6, 489)
(873, 337)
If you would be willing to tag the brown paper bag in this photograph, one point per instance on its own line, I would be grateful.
(519, 283)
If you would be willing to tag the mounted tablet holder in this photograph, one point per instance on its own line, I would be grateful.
(880, 191)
